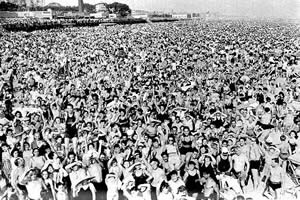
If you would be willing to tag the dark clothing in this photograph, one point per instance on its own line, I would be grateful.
(224, 164)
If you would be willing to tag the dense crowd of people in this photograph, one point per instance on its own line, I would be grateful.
(166, 111)
(33, 24)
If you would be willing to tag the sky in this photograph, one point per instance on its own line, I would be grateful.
(258, 8)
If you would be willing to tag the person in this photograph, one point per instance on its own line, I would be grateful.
(80, 181)
(71, 130)
(113, 185)
(95, 169)
(224, 161)
(254, 161)
(61, 193)
(240, 167)
(50, 194)
(171, 149)
(175, 182)
(158, 175)
(131, 192)
(192, 180)
(276, 178)
(182, 194)
(211, 189)
(9, 193)
(165, 97)
(165, 192)
(33, 184)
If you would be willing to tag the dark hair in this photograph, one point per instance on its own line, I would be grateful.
(239, 197)
(163, 185)
(192, 163)
(154, 160)
(51, 155)
(276, 160)
(71, 153)
(164, 153)
(15, 150)
(181, 189)
(174, 172)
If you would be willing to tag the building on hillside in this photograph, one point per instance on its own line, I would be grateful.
(101, 7)
(113, 16)
(101, 11)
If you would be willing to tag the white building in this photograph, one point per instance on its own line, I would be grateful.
(140, 14)
(101, 7)
(180, 16)
(101, 11)
(99, 15)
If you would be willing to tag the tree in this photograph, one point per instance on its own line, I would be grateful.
(89, 8)
(6, 6)
(119, 8)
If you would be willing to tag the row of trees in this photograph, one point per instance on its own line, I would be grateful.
(6, 6)
(113, 8)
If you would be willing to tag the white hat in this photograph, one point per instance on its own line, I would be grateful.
(89, 178)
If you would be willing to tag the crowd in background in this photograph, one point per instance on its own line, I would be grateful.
(166, 111)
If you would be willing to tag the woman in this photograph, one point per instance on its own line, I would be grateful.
(186, 141)
(140, 175)
(165, 192)
(15, 153)
(6, 160)
(173, 154)
(58, 127)
(293, 139)
(207, 166)
(27, 153)
(50, 192)
(191, 179)
(114, 167)
(37, 161)
(59, 147)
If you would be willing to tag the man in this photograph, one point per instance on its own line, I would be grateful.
(276, 177)
(254, 162)
(224, 161)
(158, 175)
(95, 169)
(77, 174)
(240, 166)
